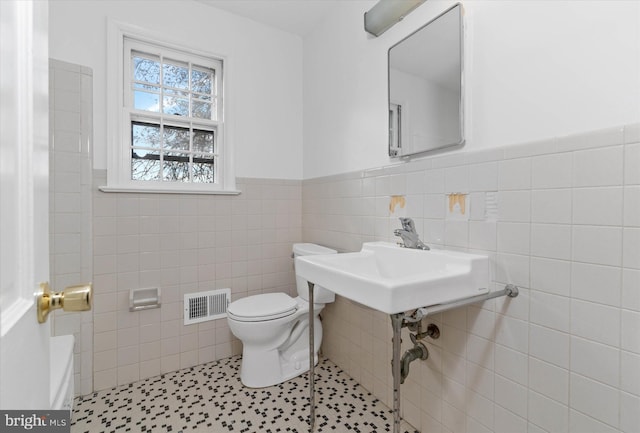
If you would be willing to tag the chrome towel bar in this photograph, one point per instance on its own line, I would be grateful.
(509, 290)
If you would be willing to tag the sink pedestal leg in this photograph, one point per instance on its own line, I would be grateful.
(312, 403)
(396, 324)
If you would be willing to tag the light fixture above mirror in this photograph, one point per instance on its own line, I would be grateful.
(386, 13)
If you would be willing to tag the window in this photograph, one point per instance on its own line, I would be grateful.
(171, 124)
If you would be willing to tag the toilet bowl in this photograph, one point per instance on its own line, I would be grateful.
(274, 331)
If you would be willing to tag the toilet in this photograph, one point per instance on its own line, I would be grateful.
(273, 328)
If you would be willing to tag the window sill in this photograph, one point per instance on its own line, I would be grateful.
(128, 189)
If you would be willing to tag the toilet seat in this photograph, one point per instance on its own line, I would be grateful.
(257, 308)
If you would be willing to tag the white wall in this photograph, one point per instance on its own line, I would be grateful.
(264, 87)
(534, 70)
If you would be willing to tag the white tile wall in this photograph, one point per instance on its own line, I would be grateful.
(70, 135)
(565, 354)
(183, 244)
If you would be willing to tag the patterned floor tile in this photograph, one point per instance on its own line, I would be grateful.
(211, 398)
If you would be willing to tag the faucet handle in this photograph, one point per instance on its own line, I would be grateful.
(409, 236)
(408, 224)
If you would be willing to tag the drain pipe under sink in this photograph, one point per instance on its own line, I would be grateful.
(419, 351)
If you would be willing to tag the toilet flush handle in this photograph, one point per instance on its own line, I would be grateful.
(72, 298)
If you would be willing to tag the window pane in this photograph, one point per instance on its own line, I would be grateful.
(175, 106)
(199, 97)
(176, 93)
(175, 76)
(145, 165)
(145, 135)
(203, 172)
(201, 81)
(176, 138)
(203, 141)
(146, 87)
(176, 167)
(146, 101)
(146, 70)
(201, 110)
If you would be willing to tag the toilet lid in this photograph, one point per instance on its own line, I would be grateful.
(268, 306)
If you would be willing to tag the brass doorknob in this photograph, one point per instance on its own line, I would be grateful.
(73, 298)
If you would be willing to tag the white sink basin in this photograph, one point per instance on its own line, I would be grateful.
(392, 279)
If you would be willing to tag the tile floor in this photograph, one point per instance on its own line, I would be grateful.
(211, 398)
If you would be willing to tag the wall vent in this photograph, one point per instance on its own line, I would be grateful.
(491, 206)
(204, 306)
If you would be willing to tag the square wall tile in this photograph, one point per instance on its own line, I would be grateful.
(605, 330)
(511, 364)
(600, 401)
(514, 206)
(456, 179)
(549, 414)
(511, 396)
(457, 233)
(596, 283)
(508, 422)
(552, 241)
(552, 171)
(598, 167)
(597, 244)
(597, 206)
(514, 238)
(550, 346)
(514, 174)
(483, 235)
(549, 380)
(551, 206)
(551, 276)
(595, 361)
(483, 177)
(434, 181)
(513, 268)
(551, 311)
(512, 333)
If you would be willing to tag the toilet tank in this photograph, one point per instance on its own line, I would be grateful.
(320, 294)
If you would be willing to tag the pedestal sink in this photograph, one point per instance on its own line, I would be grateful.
(392, 279)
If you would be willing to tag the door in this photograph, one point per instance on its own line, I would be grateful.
(24, 213)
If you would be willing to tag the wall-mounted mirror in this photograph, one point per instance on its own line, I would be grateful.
(425, 87)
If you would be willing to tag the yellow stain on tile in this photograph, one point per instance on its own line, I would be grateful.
(396, 200)
(457, 199)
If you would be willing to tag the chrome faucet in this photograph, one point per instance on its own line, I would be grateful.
(410, 238)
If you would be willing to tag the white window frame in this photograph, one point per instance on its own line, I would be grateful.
(121, 39)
